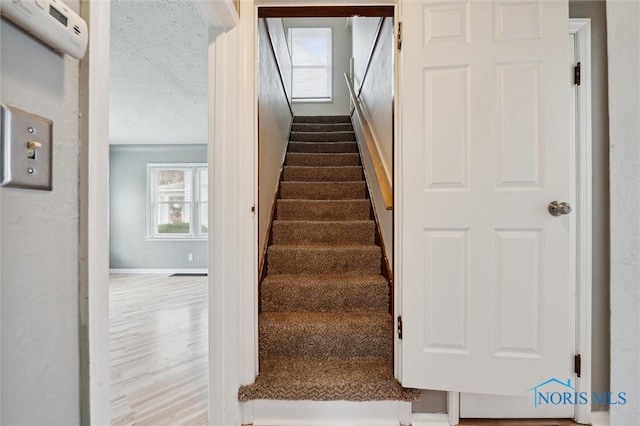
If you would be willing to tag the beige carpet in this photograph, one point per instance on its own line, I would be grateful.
(325, 328)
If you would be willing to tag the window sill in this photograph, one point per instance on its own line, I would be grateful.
(311, 101)
(174, 239)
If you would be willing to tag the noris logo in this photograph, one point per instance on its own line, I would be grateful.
(557, 392)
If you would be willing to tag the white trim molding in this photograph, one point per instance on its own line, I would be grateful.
(221, 14)
(453, 408)
(599, 418)
(581, 29)
(429, 419)
(329, 413)
(158, 271)
(94, 224)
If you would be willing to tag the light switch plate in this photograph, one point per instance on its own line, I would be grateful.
(20, 165)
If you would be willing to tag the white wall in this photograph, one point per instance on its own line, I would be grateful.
(278, 35)
(274, 122)
(39, 243)
(623, 27)
(341, 50)
(363, 35)
(377, 102)
(129, 215)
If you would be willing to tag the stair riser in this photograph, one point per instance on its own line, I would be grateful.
(304, 232)
(326, 297)
(325, 341)
(310, 127)
(323, 191)
(324, 119)
(332, 160)
(322, 136)
(299, 260)
(323, 147)
(323, 174)
(323, 210)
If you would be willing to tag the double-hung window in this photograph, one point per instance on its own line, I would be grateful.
(178, 201)
(311, 62)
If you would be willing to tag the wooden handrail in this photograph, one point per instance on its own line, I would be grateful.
(378, 166)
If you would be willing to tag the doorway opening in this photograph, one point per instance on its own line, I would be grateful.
(158, 214)
(325, 218)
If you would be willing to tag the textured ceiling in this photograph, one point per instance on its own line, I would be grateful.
(158, 81)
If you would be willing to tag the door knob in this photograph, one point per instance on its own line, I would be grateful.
(557, 208)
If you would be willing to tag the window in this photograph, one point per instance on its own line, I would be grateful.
(178, 201)
(311, 61)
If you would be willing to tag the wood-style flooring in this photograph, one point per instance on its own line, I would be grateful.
(514, 422)
(159, 349)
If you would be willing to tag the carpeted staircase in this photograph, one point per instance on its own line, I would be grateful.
(325, 328)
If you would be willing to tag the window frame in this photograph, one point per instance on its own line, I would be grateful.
(196, 220)
(328, 66)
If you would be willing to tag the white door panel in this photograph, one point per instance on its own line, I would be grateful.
(474, 405)
(484, 268)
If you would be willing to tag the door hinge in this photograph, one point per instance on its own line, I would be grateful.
(576, 74)
(399, 37)
(400, 327)
(577, 364)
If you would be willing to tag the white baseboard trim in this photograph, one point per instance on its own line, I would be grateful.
(158, 271)
(429, 419)
(600, 418)
(326, 413)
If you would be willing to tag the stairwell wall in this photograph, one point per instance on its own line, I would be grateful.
(274, 123)
(377, 103)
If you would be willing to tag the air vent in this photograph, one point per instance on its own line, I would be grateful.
(76, 29)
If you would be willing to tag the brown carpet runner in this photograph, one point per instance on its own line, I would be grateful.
(325, 331)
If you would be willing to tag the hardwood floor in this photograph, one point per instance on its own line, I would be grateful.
(514, 422)
(159, 349)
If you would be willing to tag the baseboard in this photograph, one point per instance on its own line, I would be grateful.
(158, 271)
(429, 419)
(327, 413)
(600, 418)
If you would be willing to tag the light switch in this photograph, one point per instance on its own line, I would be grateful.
(25, 149)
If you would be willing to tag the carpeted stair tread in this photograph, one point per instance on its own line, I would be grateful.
(319, 160)
(322, 174)
(323, 210)
(325, 324)
(323, 147)
(322, 119)
(325, 335)
(323, 259)
(322, 136)
(324, 293)
(352, 190)
(323, 232)
(353, 380)
(321, 127)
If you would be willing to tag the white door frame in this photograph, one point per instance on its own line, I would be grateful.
(581, 29)
(233, 359)
(219, 16)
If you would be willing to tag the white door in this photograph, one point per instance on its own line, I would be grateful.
(473, 405)
(484, 269)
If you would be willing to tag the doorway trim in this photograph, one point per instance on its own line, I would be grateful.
(581, 29)
(95, 402)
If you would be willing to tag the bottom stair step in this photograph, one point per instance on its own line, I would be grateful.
(350, 380)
